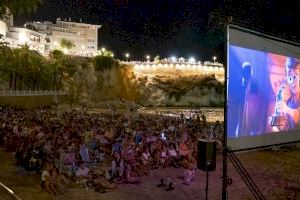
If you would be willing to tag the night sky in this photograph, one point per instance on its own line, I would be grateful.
(171, 27)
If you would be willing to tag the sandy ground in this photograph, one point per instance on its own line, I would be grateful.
(271, 171)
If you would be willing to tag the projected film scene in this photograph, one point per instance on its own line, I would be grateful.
(263, 93)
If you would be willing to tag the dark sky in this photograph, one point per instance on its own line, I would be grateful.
(171, 27)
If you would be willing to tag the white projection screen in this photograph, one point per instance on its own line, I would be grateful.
(263, 90)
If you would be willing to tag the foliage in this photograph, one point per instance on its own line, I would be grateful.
(24, 69)
(19, 6)
(104, 63)
(66, 44)
(103, 78)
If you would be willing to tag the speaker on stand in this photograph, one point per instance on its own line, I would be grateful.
(206, 154)
(206, 159)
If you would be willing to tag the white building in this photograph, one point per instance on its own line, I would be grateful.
(45, 27)
(83, 36)
(7, 18)
(17, 36)
(5, 21)
(3, 28)
(47, 36)
(20, 36)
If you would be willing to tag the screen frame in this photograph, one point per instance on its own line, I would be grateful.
(264, 140)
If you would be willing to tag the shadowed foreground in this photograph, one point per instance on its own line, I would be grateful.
(272, 172)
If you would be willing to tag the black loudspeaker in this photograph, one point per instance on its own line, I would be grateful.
(206, 159)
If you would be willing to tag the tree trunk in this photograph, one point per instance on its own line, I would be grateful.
(15, 82)
(11, 81)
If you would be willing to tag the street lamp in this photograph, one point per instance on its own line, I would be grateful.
(192, 60)
(214, 58)
(148, 57)
(66, 51)
(82, 49)
(174, 59)
(127, 56)
(103, 49)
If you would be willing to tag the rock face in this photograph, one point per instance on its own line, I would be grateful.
(158, 89)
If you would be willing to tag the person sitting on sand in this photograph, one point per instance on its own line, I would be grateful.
(173, 155)
(183, 149)
(58, 181)
(146, 157)
(117, 167)
(164, 156)
(189, 165)
(47, 184)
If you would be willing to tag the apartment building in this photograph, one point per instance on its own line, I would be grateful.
(17, 36)
(45, 37)
(83, 36)
(6, 20)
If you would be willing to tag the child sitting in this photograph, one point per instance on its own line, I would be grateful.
(164, 158)
(189, 166)
(173, 156)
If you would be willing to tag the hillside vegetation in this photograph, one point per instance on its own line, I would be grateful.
(102, 78)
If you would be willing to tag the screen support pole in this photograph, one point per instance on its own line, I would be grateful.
(224, 152)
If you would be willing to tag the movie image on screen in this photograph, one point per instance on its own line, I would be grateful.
(263, 96)
(265, 90)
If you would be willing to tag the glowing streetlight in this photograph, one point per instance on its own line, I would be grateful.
(127, 56)
(192, 60)
(112, 55)
(174, 59)
(66, 51)
(214, 58)
(103, 49)
(148, 57)
(82, 49)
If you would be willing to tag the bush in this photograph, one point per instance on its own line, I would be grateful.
(104, 62)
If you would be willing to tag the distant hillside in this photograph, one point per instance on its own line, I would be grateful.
(166, 89)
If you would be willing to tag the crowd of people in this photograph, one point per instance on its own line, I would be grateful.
(100, 150)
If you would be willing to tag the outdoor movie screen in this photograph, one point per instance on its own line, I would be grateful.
(263, 90)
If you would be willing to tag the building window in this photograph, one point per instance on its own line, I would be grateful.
(35, 38)
(90, 40)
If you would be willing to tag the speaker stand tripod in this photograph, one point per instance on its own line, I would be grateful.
(207, 177)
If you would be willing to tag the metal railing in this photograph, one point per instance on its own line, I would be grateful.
(32, 93)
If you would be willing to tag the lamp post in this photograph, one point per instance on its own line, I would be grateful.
(82, 49)
(214, 58)
(192, 60)
(103, 50)
(173, 59)
(148, 58)
(127, 56)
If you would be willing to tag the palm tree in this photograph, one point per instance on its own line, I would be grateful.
(58, 66)
(6, 64)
